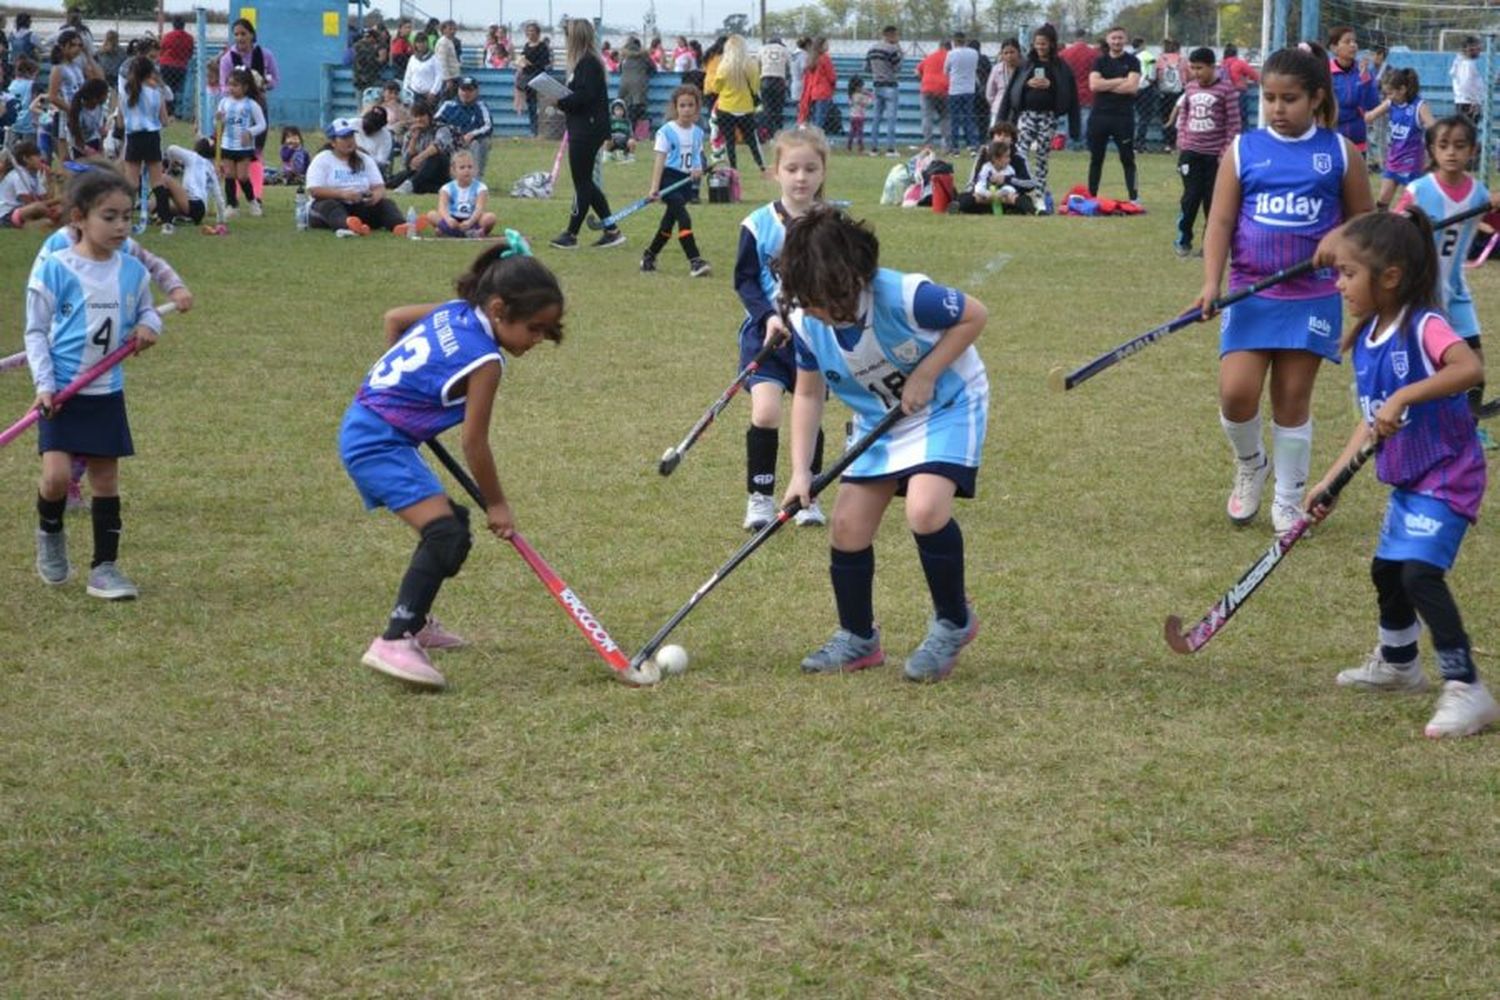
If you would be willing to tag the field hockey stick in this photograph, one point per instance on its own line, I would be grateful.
(1484, 254)
(16, 360)
(672, 456)
(611, 221)
(1057, 381)
(143, 216)
(72, 389)
(582, 617)
(819, 484)
(557, 165)
(219, 173)
(1219, 615)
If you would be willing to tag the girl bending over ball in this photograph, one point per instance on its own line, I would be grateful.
(1411, 370)
(443, 369)
(882, 339)
(1280, 193)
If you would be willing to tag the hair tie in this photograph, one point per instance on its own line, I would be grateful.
(515, 245)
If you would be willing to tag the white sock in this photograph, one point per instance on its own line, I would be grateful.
(1291, 450)
(1244, 438)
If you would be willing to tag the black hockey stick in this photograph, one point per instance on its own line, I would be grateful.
(1059, 381)
(824, 479)
(672, 456)
(1219, 615)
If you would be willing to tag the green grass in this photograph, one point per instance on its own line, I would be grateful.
(204, 794)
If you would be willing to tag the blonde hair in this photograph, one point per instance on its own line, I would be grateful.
(580, 41)
(461, 154)
(734, 64)
(808, 137)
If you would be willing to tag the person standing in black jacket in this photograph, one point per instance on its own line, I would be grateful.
(587, 110)
(1040, 94)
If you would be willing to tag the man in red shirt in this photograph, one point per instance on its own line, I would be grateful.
(934, 84)
(1241, 74)
(176, 52)
(1080, 56)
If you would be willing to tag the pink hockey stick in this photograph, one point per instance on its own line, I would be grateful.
(16, 360)
(1484, 254)
(72, 389)
(557, 164)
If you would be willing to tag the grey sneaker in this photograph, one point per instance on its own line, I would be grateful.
(106, 581)
(52, 557)
(1376, 674)
(935, 658)
(811, 516)
(845, 653)
(760, 510)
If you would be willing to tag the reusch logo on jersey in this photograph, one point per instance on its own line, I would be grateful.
(833, 376)
(1422, 526)
(1286, 209)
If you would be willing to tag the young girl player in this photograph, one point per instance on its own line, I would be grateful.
(1281, 191)
(1411, 370)
(443, 369)
(799, 164)
(879, 338)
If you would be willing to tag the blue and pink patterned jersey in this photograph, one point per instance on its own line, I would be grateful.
(1437, 453)
(1291, 196)
(1407, 151)
(415, 386)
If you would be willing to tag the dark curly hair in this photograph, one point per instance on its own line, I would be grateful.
(827, 262)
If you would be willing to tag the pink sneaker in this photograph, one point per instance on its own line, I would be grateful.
(434, 636)
(404, 660)
(76, 499)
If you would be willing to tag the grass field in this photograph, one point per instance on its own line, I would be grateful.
(203, 793)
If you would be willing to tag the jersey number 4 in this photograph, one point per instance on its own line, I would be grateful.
(101, 336)
(389, 370)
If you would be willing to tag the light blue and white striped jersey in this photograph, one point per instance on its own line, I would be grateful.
(243, 121)
(461, 201)
(145, 114)
(1452, 245)
(683, 146)
(767, 227)
(866, 365)
(92, 305)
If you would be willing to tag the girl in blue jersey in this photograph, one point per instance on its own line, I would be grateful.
(1410, 119)
(679, 155)
(1446, 191)
(1411, 370)
(239, 120)
(1280, 193)
(799, 164)
(81, 303)
(879, 338)
(442, 369)
(145, 113)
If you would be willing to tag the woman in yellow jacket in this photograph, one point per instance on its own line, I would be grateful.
(736, 79)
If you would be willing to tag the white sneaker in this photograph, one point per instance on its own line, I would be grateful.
(1284, 515)
(1249, 483)
(256, 209)
(760, 510)
(167, 229)
(345, 234)
(1376, 674)
(810, 516)
(231, 212)
(1462, 710)
(404, 187)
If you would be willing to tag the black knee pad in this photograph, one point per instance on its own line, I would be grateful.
(446, 543)
(459, 511)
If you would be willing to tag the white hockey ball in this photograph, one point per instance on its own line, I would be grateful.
(672, 659)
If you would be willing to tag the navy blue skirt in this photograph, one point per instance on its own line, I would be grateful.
(88, 425)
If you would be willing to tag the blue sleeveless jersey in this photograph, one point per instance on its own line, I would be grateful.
(412, 387)
(1453, 245)
(1437, 453)
(95, 306)
(1406, 152)
(867, 365)
(461, 201)
(1291, 196)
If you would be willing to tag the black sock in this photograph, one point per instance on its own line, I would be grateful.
(760, 460)
(165, 210)
(853, 576)
(659, 242)
(817, 462)
(419, 588)
(49, 513)
(1476, 398)
(689, 244)
(231, 192)
(942, 554)
(248, 188)
(106, 512)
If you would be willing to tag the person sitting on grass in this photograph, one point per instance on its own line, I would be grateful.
(426, 152)
(462, 202)
(347, 189)
(23, 191)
